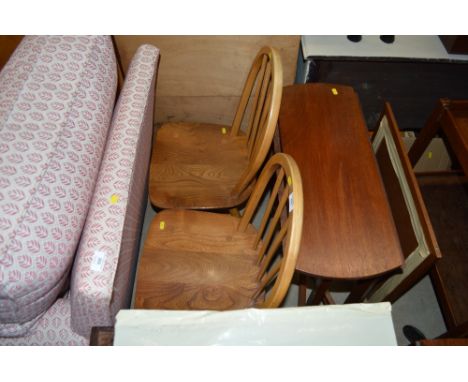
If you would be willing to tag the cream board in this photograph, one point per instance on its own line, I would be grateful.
(384, 136)
(353, 324)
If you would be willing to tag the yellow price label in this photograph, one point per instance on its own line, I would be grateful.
(224, 130)
(114, 199)
(162, 225)
(334, 91)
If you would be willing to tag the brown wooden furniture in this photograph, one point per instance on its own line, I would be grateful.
(411, 218)
(102, 336)
(200, 78)
(444, 342)
(348, 231)
(455, 44)
(204, 166)
(446, 196)
(202, 260)
(8, 45)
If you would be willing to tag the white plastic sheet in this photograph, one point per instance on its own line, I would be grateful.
(354, 324)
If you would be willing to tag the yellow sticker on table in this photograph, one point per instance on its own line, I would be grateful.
(334, 91)
(162, 224)
(224, 130)
(114, 199)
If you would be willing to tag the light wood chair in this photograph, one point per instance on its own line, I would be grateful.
(206, 166)
(197, 260)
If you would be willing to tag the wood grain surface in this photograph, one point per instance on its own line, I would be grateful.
(199, 261)
(196, 165)
(200, 78)
(348, 230)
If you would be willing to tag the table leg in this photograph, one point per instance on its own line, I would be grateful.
(328, 299)
(358, 291)
(318, 293)
(302, 290)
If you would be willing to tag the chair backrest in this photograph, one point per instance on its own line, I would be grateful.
(279, 232)
(262, 96)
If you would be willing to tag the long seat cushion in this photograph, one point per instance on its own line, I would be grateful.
(102, 274)
(56, 101)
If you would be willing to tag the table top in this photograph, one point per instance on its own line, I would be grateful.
(348, 230)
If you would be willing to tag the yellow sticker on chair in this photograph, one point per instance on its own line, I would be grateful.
(289, 180)
(162, 224)
(114, 199)
(334, 91)
(223, 130)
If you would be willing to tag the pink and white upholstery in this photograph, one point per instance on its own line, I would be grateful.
(56, 99)
(53, 328)
(102, 273)
(106, 256)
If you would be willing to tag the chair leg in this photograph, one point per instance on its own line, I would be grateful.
(358, 292)
(302, 290)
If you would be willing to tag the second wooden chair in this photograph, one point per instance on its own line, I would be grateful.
(207, 166)
(197, 260)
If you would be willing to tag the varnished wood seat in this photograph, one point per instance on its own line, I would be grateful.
(196, 162)
(185, 273)
(206, 166)
(204, 260)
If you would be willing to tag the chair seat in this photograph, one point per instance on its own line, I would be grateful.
(197, 260)
(196, 165)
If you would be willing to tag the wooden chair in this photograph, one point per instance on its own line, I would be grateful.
(203, 166)
(202, 260)
(446, 196)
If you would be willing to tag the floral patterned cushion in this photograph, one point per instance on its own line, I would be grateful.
(56, 99)
(102, 274)
(52, 328)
